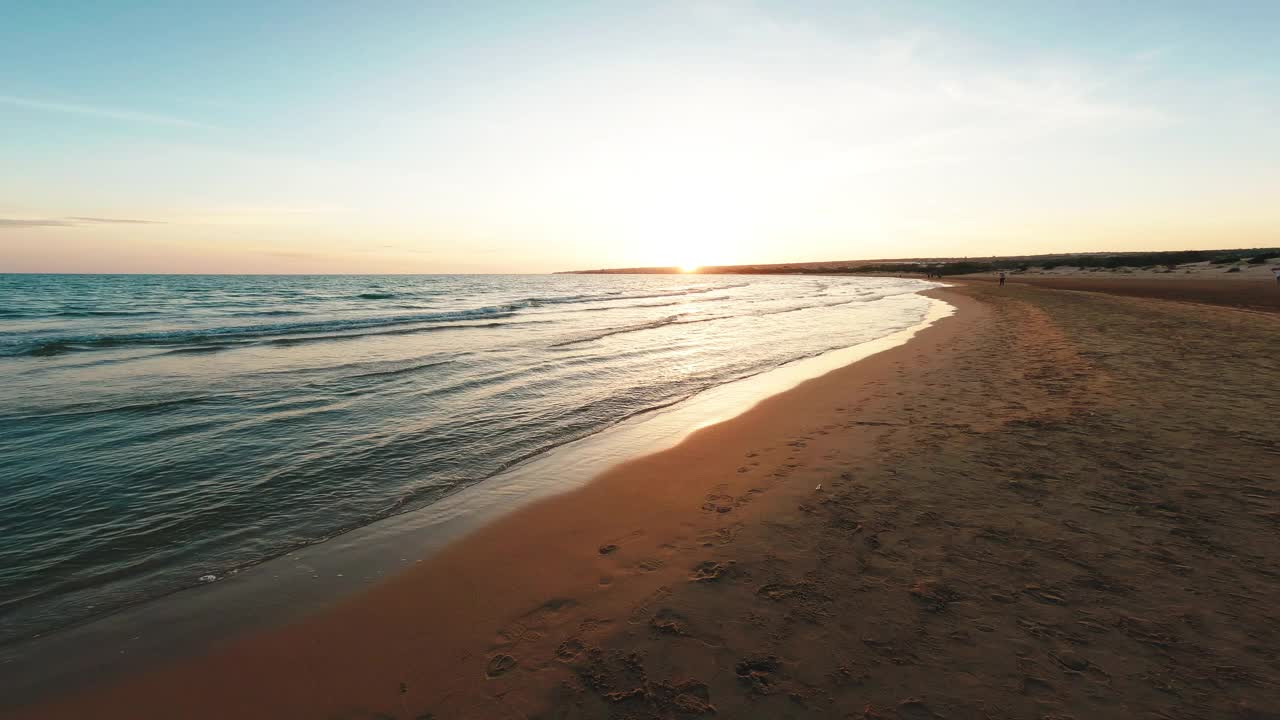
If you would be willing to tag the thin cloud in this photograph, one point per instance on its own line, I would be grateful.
(25, 222)
(924, 74)
(126, 221)
(15, 223)
(109, 113)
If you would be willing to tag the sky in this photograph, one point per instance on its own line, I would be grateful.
(422, 137)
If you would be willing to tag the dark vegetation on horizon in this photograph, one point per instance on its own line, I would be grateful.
(963, 266)
(1167, 259)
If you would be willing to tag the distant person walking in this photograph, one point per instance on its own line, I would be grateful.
(1001, 279)
(1276, 272)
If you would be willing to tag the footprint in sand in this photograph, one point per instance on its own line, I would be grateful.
(710, 571)
(615, 544)
(533, 625)
(778, 591)
(667, 622)
(759, 673)
(591, 625)
(569, 650)
(720, 536)
(718, 503)
(499, 664)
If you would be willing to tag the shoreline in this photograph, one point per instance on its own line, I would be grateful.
(1049, 504)
(316, 577)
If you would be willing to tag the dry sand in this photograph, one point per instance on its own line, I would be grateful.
(1253, 287)
(1050, 505)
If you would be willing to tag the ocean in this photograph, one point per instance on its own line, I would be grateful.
(160, 431)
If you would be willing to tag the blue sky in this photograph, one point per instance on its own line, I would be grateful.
(434, 137)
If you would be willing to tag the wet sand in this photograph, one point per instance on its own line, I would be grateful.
(1049, 505)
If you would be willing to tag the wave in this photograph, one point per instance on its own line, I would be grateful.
(638, 306)
(55, 346)
(862, 299)
(103, 313)
(376, 296)
(618, 295)
(77, 313)
(675, 319)
(142, 407)
(203, 348)
(46, 349)
(268, 313)
(805, 307)
(49, 346)
(618, 331)
(396, 331)
(401, 370)
(669, 320)
(617, 418)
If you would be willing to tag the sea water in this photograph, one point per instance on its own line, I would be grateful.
(157, 430)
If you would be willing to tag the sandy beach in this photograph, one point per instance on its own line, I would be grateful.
(1050, 505)
(1250, 286)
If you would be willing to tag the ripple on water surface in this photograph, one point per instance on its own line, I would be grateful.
(157, 429)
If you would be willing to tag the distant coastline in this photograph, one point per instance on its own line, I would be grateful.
(968, 265)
